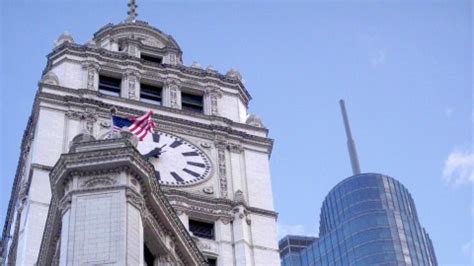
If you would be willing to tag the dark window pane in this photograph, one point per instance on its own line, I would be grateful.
(191, 102)
(152, 59)
(211, 262)
(148, 256)
(109, 85)
(150, 94)
(202, 229)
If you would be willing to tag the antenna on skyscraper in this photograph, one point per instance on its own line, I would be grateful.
(350, 141)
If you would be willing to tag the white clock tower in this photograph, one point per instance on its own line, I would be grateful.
(213, 170)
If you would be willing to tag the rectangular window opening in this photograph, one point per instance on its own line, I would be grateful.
(150, 94)
(192, 102)
(109, 86)
(202, 229)
(152, 58)
(212, 262)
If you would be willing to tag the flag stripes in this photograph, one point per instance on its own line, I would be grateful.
(139, 126)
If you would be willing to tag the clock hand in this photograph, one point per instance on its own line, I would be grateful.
(156, 152)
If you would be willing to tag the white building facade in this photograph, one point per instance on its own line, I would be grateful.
(214, 172)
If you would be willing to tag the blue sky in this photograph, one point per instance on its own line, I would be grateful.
(403, 67)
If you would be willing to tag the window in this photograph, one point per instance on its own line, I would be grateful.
(192, 102)
(109, 85)
(148, 257)
(211, 262)
(151, 58)
(202, 229)
(150, 94)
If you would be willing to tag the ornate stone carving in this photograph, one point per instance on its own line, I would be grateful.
(196, 65)
(222, 172)
(220, 143)
(234, 74)
(235, 148)
(173, 97)
(173, 59)
(208, 246)
(214, 109)
(133, 79)
(131, 89)
(214, 93)
(136, 200)
(184, 72)
(50, 78)
(239, 196)
(152, 42)
(105, 124)
(205, 145)
(89, 117)
(208, 190)
(253, 120)
(173, 86)
(98, 181)
(242, 213)
(132, 50)
(92, 70)
(90, 79)
(225, 220)
(65, 37)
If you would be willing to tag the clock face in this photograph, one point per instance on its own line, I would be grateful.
(176, 161)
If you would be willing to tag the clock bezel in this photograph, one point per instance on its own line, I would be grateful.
(207, 155)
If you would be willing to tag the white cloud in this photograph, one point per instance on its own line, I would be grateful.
(458, 168)
(448, 112)
(378, 58)
(468, 250)
(298, 229)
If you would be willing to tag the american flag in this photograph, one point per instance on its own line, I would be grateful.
(139, 126)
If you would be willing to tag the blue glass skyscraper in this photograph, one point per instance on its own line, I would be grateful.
(366, 219)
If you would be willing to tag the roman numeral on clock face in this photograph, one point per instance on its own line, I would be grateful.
(197, 164)
(176, 177)
(176, 143)
(191, 172)
(191, 153)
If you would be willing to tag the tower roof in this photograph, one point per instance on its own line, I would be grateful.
(138, 30)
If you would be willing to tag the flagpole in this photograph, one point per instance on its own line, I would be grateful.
(113, 111)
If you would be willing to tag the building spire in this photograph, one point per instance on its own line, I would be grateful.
(132, 11)
(350, 141)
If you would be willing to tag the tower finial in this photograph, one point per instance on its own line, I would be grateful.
(350, 141)
(132, 11)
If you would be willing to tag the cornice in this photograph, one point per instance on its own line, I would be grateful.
(170, 123)
(110, 29)
(217, 203)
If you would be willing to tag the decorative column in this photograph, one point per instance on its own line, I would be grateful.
(236, 165)
(87, 118)
(222, 169)
(133, 49)
(172, 93)
(131, 85)
(211, 100)
(241, 233)
(90, 79)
